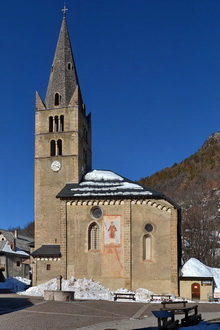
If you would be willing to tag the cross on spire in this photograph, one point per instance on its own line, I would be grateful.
(64, 10)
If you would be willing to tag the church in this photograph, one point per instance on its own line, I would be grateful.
(94, 223)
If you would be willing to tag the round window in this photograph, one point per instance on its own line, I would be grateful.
(96, 212)
(149, 227)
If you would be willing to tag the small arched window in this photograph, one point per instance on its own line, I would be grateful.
(57, 99)
(61, 123)
(52, 148)
(94, 236)
(59, 147)
(50, 124)
(147, 248)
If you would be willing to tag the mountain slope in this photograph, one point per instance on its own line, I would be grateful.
(195, 185)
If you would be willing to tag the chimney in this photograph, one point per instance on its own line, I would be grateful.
(14, 244)
(16, 233)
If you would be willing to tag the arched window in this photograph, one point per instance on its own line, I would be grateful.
(57, 99)
(94, 237)
(69, 66)
(52, 148)
(50, 124)
(59, 147)
(61, 123)
(147, 248)
(56, 123)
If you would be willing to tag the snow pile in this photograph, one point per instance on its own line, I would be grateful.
(83, 288)
(39, 290)
(194, 267)
(15, 284)
(143, 294)
(87, 289)
(97, 175)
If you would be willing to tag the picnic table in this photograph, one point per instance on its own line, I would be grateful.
(191, 313)
(191, 319)
(167, 305)
(166, 320)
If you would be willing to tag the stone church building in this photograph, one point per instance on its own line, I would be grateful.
(92, 223)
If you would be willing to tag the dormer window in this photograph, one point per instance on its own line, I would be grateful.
(57, 99)
(69, 66)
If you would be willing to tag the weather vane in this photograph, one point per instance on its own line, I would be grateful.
(64, 10)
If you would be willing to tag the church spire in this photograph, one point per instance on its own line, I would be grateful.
(63, 77)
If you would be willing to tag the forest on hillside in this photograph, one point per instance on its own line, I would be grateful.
(195, 185)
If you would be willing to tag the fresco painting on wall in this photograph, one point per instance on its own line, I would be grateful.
(112, 231)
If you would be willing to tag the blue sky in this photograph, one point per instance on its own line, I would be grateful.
(149, 72)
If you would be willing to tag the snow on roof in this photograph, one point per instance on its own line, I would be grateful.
(195, 268)
(97, 175)
(7, 248)
(105, 183)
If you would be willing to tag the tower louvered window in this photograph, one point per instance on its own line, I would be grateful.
(56, 148)
(50, 124)
(59, 147)
(52, 148)
(56, 124)
(94, 236)
(61, 128)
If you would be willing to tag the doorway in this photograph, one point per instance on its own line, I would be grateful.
(195, 288)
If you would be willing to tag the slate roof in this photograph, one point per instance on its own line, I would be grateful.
(22, 242)
(5, 248)
(99, 183)
(47, 251)
(63, 77)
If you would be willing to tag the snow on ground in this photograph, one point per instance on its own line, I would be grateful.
(89, 289)
(194, 267)
(84, 289)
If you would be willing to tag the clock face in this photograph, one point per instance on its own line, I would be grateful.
(56, 166)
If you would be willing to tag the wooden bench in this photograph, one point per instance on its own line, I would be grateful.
(160, 297)
(166, 320)
(191, 319)
(174, 306)
(125, 295)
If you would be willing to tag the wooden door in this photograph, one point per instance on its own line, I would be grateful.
(195, 291)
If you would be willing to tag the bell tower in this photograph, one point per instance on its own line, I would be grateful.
(62, 140)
